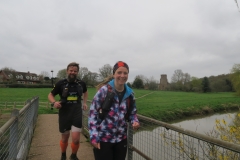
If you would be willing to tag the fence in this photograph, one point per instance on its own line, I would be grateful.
(156, 140)
(12, 105)
(17, 132)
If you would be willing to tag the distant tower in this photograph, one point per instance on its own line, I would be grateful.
(163, 82)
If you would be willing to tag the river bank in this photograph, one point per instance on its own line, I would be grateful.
(192, 113)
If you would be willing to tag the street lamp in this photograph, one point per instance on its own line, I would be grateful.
(52, 77)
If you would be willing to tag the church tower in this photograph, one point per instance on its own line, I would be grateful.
(163, 82)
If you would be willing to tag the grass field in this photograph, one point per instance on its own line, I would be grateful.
(167, 106)
(161, 105)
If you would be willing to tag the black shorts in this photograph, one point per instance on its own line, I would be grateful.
(70, 115)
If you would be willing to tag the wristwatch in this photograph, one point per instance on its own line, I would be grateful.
(52, 104)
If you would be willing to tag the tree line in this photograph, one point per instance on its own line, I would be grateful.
(180, 81)
(221, 83)
(184, 82)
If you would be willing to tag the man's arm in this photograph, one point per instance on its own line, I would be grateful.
(56, 104)
(51, 98)
(85, 98)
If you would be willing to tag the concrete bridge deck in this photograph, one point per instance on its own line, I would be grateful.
(45, 142)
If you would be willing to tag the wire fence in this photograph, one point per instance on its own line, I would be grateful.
(163, 141)
(156, 140)
(17, 132)
(9, 105)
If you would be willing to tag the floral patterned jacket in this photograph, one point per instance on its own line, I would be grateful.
(114, 127)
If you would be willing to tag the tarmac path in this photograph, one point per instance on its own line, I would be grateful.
(46, 138)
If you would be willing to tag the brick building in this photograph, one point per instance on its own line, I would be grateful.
(163, 82)
(19, 77)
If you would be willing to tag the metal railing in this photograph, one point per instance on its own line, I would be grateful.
(156, 140)
(16, 134)
(163, 141)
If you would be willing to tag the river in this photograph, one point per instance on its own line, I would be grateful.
(151, 142)
(204, 124)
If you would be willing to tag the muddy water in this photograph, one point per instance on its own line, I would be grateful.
(204, 124)
(157, 148)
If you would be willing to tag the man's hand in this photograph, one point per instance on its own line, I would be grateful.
(57, 105)
(135, 125)
(85, 107)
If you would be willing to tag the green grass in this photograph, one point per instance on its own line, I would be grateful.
(22, 94)
(161, 105)
(167, 106)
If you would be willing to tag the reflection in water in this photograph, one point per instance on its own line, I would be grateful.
(150, 141)
(204, 125)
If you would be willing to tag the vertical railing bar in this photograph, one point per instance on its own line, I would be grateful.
(13, 138)
(130, 142)
(12, 131)
(146, 142)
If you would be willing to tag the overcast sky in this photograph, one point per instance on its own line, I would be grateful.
(154, 37)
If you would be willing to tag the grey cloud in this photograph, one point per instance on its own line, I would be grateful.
(153, 37)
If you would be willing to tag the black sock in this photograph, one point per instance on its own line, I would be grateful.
(73, 155)
(64, 154)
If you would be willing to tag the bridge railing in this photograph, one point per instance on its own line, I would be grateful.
(17, 132)
(156, 140)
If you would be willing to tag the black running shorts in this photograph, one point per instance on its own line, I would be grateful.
(70, 114)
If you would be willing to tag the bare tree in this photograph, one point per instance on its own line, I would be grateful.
(152, 85)
(92, 78)
(237, 5)
(62, 73)
(8, 69)
(12, 73)
(43, 74)
(181, 81)
(83, 71)
(186, 78)
(105, 71)
(177, 76)
(144, 79)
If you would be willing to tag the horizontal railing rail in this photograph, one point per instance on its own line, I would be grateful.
(156, 140)
(16, 134)
(18, 104)
(162, 141)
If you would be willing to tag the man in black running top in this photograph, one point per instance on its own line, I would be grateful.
(71, 91)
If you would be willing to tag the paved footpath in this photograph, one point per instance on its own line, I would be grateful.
(46, 138)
